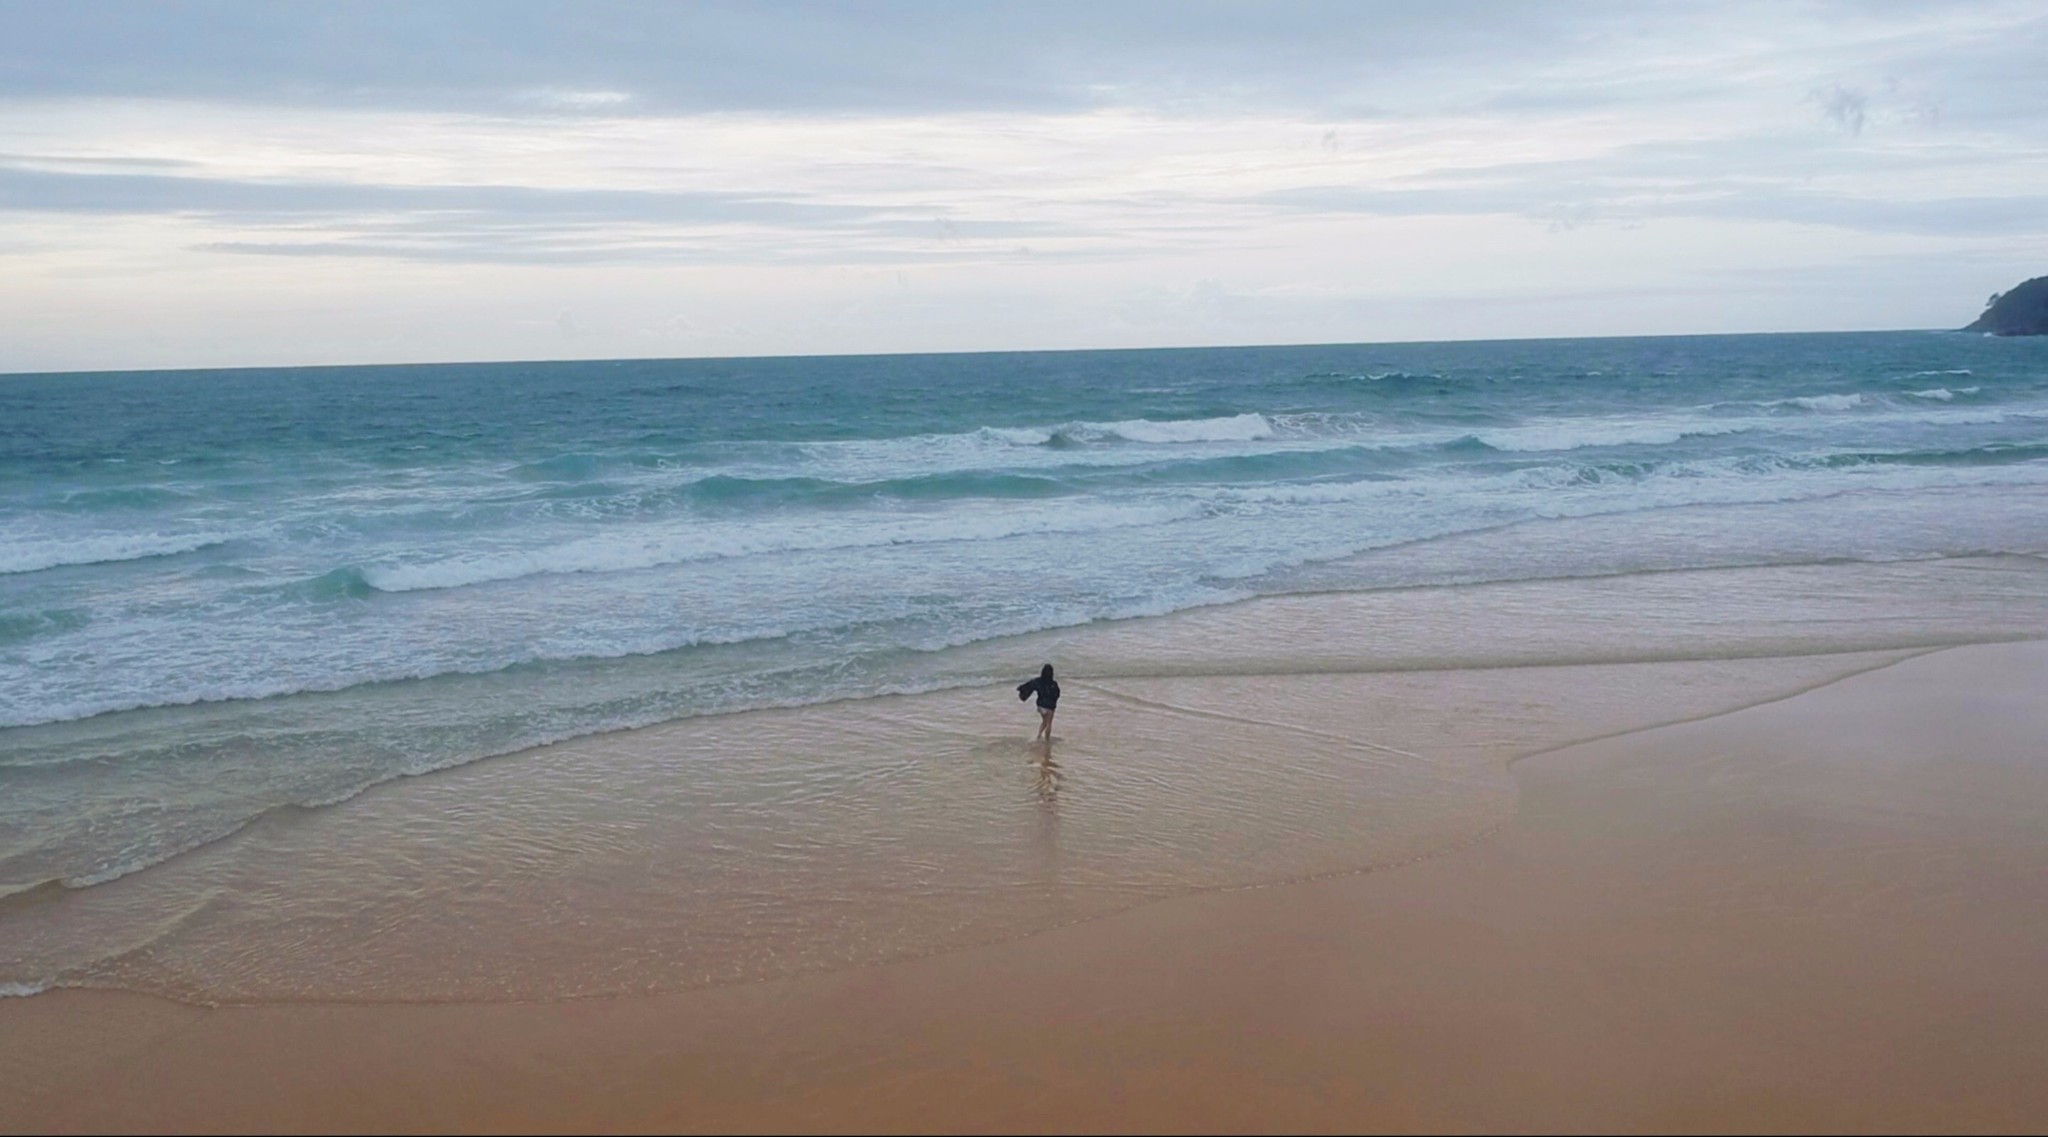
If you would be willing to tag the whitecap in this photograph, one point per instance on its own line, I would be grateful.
(1820, 402)
(626, 552)
(1230, 428)
(49, 553)
(1573, 434)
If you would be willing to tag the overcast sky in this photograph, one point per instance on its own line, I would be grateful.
(198, 184)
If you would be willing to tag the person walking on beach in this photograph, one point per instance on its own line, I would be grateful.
(1048, 699)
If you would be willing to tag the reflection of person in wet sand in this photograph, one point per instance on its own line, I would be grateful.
(1045, 772)
(1048, 699)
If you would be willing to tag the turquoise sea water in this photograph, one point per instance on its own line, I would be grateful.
(223, 593)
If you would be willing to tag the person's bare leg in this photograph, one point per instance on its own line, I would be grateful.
(1045, 726)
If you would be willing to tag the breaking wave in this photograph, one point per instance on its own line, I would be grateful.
(37, 555)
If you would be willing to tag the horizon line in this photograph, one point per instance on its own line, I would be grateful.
(927, 354)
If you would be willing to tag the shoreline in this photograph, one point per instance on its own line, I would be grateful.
(1818, 906)
(1870, 660)
(1891, 658)
(1394, 630)
(1187, 784)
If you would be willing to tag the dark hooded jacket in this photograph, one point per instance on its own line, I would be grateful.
(1048, 691)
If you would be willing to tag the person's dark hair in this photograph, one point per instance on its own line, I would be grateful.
(1047, 673)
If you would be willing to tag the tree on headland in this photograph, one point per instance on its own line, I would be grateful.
(2019, 311)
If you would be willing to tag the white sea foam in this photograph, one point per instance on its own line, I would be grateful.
(1314, 493)
(35, 555)
(1967, 418)
(1820, 402)
(1127, 442)
(626, 552)
(1013, 436)
(1574, 434)
(1234, 428)
(22, 990)
(1150, 432)
(1656, 484)
(1153, 432)
(276, 683)
(1943, 394)
(1932, 374)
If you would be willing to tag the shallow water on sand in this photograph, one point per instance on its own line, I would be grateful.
(1233, 746)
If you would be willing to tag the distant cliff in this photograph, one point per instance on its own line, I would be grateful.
(2020, 312)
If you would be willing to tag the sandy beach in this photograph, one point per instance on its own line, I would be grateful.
(530, 533)
(1817, 912)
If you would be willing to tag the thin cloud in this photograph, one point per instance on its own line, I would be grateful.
(1037, 169)
(49, 191)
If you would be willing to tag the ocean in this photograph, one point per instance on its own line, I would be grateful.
(241, 596)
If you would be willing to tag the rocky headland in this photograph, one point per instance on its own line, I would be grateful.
(2022, 311)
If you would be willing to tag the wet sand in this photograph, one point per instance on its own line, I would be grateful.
(1821, 912)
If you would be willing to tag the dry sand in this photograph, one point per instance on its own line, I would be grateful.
(1823, 912)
